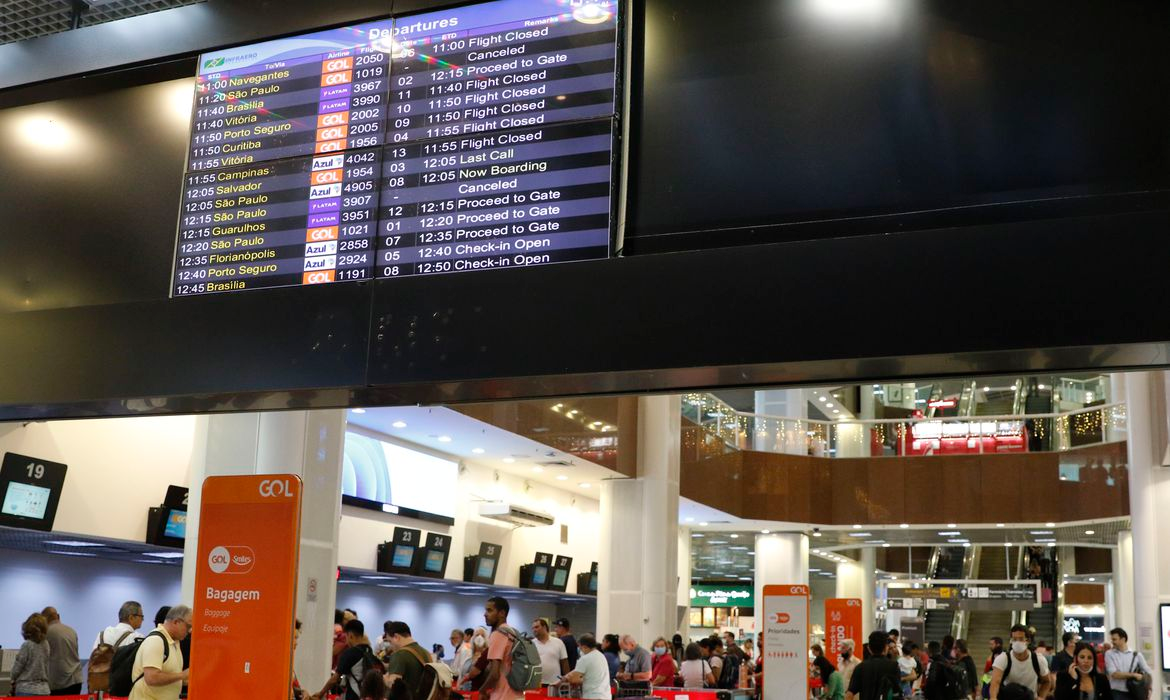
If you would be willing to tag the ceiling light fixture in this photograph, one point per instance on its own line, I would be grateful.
(477, 450)
(904, 526)
(562, 477)
(703, 524)
(444, 438)
(1049, 524)
(999, 525)
(1090, 532)
(585, 485)
(856, 527)
(358, 411)
(399, 424)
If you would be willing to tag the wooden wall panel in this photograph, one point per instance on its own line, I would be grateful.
(885, 496)
(696, 479)
(850, 486)
(1084, 594)
(1093, 560)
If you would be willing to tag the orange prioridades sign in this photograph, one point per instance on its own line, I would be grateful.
(245, 587)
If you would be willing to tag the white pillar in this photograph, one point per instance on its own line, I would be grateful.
(1123, 604)
(781, 559)
(308, 444)
(638, 574)
(1149, 497)
(683, 596)
(858, 579)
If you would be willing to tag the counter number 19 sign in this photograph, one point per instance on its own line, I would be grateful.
(245, 582)
(785, 633)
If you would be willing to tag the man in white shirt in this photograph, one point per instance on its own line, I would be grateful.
(592, 671)
(462, 646)
(1020, 666)
(554, 658)
(1121, 664)
(126, 631)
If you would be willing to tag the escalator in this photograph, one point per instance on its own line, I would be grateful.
(993, 564)
(949, 567)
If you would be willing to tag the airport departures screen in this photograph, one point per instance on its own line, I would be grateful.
(476, 138)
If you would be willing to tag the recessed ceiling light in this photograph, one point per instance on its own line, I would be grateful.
(1049, 524)
(477, 450)
(829, 405)
(1090, 532)
(562, 477)
(966, 544)
(952, 525)
(822, 398)
(816, 533)
(1091, 579)
(949, 533)
(444, 438)
(987, 388)
(399, 424)
(697, 534)
(836, 412)
(861, 534)
(885, 545)
(703, 524)
(768, 532)
(999, 525)
(358, 411)
(690, 520)
(1007, 544)
(904, 526)
(856, 527)
(734, 536)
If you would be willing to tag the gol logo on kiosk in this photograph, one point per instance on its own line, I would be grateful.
(231, 560)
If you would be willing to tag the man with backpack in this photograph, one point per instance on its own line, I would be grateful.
(944, 679)
(354, 662)
(407, 658)
(727, 677)
(513, 661)
(877, 677)
(109, 641)
(1021, 666)
(157, 671)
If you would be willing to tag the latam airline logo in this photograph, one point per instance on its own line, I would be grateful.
(231, 560)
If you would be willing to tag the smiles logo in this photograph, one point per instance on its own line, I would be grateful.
(231, 560)
(214, 62)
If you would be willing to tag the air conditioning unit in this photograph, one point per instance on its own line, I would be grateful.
(523, 517)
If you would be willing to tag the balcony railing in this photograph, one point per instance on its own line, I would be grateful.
(903, 437)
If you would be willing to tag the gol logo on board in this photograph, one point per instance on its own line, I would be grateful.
(231, 560)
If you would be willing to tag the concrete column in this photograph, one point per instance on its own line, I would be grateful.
(780, 559)
(308, 444)
(858, 579)
(787, 436)
(1149, 498)
(683, 596)
(638, 567)
(1124, 613)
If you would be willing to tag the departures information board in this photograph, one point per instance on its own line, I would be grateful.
(476, 138)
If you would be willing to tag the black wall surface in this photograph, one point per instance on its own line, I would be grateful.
(746, 124)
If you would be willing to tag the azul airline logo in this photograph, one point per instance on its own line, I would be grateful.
(231, 560)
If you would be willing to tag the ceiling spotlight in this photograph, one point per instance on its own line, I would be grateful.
(828, 405)
(358, 411)
(952, 525)
(444, 438)
(822, 398)
(904, 526)
(1049, 524)
(856, 527)
(399, 424)
(999, 525)
(477, 450)
(734, 536)
(562, 477)
(1090, 532)
(584, 484)
(703, 524)
(768, 532)
(886, 545)
(816, 532)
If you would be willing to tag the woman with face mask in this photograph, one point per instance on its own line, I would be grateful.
(662, 675)
(474, 669)
(1083, 681)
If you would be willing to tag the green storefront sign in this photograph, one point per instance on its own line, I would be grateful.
(722, 597)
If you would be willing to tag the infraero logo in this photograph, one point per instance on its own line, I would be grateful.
(231, 560)
(214, 62)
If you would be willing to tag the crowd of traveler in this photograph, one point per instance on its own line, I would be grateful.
(122, 661)
(1025, 669)
(483, 659)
